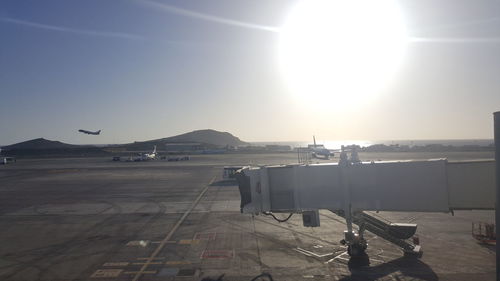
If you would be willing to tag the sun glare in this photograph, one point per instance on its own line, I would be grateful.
(341, 52)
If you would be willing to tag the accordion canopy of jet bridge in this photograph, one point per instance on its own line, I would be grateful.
(408, 186)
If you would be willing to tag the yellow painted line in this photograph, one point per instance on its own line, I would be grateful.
(168, 242)
(142, 263)
(157, 258)
(141, 272)
(116, 264)
(171, 233)
(189, 241)
(177, 262)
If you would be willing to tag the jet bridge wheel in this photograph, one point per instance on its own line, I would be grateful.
(356, 247)
(357, 250)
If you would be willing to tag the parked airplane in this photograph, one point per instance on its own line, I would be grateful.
(319, 151)
(147, 156)
(89, 132)
(152, 155)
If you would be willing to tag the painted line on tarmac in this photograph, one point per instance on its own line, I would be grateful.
(171, 233)
(141, 272)
(143, 263)
(157, 258)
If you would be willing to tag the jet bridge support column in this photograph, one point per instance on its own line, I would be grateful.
(356, 243)
(496, 117)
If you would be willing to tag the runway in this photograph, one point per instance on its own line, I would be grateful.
(94, 219)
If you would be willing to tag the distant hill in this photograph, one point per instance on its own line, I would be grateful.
(39, 143)
(204, 139)
(46, 148)
(208, 139)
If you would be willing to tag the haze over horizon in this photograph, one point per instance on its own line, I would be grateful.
(332, 144)
(142, 70)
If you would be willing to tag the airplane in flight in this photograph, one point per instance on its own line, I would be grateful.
(320, 151)
(89, 132)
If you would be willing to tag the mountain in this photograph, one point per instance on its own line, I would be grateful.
(208, 136)
(206, 139)
(40, 143)
(46, 148)
(197, 140)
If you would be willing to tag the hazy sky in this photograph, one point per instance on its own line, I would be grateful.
(140, 70)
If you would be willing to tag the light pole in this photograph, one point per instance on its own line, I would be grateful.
(496, 122)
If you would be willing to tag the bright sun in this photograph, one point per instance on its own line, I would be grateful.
(340, 52)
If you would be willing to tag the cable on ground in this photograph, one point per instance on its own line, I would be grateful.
(279, 220)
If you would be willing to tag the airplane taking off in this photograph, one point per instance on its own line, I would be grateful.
(89, 132)
(319, 151)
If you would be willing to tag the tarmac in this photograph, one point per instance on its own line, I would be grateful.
(94, 219)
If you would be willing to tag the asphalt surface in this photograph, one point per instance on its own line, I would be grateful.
(94, 219)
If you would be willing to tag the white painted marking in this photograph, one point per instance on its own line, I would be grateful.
(337, 257)
(171, 233)
(106, 273)
(138, 243)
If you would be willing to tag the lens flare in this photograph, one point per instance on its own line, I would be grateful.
(341, 52)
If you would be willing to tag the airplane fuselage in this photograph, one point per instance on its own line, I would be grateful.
(321, 153)
(89, 132)
(150, 156)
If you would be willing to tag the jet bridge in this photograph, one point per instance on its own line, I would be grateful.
(349, 189)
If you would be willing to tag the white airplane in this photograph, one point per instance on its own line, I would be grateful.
(148, 156)
(319, 151)
(151, 155)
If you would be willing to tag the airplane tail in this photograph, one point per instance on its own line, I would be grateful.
(154, 149)
(98, 132)
(314, 140)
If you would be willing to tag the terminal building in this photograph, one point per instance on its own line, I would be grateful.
(184, 147)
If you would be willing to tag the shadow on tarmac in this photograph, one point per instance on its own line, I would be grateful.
(408, 266)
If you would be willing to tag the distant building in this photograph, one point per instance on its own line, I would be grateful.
(278, 148)
(184, 147)
(7, 160)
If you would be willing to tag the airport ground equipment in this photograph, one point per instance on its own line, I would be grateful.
(396, 233)
(484, 232)
(304, 155)
(229, 172)
(350, 189)
(7, 160)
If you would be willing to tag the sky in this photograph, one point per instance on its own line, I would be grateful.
(147, 69)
